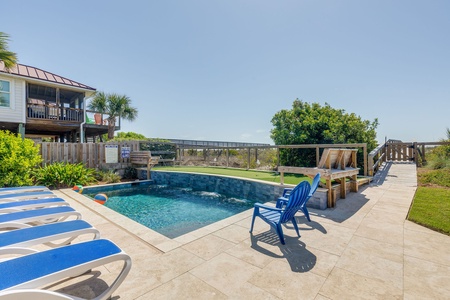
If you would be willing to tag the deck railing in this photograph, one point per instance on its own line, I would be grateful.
(53, 112)
(395, 150)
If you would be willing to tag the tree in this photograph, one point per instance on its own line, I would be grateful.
(114, 105)
(129, 136)
(9, 58)
(315, 124)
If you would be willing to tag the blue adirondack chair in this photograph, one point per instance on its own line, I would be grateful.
(284, 199)
(275, 217)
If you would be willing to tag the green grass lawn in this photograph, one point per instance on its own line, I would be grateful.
(260, 175)
(431, 208)
(431, 204)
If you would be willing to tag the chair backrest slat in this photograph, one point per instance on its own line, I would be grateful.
(297, 198)
(315, 184)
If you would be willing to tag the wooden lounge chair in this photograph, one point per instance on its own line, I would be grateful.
(334, 164)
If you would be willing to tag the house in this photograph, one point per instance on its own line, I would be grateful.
(37, 104)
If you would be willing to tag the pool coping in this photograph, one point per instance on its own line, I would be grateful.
(145, 234)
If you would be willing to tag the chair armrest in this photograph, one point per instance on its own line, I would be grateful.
(287, 192)
(259, 205)
(281, 202)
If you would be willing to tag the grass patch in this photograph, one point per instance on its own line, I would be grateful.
(251, 174)
(431, 208)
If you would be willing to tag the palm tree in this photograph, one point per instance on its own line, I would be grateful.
(9, 58)
(114, 105)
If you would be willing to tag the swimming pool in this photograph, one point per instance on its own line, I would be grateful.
(173, 211)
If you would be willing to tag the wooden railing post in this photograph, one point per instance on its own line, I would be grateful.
(317, 156)
(365, 159)
(415, 153)
(248, 158)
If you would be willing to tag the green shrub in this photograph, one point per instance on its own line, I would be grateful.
(130, 173)
(437, 177)
(63, 175)
(110, 177)
(439, 163)
(18, 158)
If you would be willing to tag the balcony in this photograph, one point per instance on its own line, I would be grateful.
(49, 119)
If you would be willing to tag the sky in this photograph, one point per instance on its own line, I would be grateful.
(220, 70)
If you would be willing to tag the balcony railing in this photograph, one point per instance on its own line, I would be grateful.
(53, 112)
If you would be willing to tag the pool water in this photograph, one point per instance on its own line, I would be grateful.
(173, 211)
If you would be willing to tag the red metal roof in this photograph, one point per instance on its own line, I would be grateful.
(35, 73)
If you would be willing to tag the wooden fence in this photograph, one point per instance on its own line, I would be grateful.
(91, 154)
(394, 150)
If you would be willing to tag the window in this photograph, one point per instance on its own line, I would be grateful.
(5, 93)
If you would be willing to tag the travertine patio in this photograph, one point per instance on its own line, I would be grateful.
(363, 248)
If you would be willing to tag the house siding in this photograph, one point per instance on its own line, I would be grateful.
(16, 112)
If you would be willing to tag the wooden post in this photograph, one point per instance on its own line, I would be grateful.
(424, 160)
(317, 156)
(248, 158)
(330, 194)
(228, 157)
(365, 159)
(416, 153)
(278, 157)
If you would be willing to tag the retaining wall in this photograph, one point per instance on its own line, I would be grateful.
(256, 190)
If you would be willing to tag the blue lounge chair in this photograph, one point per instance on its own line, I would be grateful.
(23, 189)
(31, 204)
(46, 267)
(275, 217)
(22, 219)
(33, 294)
(283, 199)
(46, 234)
(26, 195)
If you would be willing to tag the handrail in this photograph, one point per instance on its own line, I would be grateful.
(53, 112)
(378, 153)
(382, 153)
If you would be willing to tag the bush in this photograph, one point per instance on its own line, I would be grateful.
(439, 163)
(436, 177)
(130, 173)
(110, 177)
(18, 158)
(63, 175)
